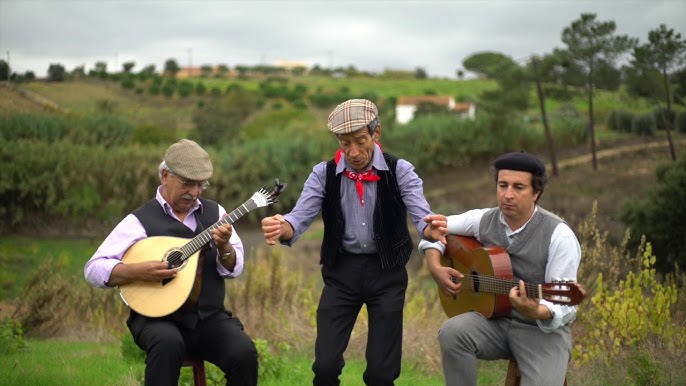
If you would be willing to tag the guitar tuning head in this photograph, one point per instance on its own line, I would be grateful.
(279, 186)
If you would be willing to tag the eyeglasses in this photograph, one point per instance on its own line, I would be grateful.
(188, 184)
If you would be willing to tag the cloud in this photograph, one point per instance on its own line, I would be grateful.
(370, 35)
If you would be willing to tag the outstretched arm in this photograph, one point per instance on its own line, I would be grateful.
(276, 228)
(437, 228)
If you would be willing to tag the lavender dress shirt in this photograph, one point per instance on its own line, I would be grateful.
(130, 230)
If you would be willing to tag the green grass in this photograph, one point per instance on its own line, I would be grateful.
(69, 255)
(57, 362)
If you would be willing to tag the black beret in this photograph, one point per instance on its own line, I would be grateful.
(521, 161)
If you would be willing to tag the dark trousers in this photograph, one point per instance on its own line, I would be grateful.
(354, 280)
(218, 339)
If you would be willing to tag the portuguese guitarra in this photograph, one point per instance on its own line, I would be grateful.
(157, 299)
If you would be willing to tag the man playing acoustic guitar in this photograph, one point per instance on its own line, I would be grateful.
(202, 326)
(542, 248)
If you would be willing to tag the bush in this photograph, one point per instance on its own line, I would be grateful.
(273, 362)
(660, 215)
(620, 121)
(680, 122)
(643, 125)
(153, 135)
(11, 337)
(632, 315)
(91, 129)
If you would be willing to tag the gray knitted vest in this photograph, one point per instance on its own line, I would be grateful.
(529, 248)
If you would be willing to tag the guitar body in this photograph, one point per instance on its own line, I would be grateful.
(468, 256)
(157, 299)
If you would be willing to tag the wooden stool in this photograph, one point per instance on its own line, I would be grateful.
(514, 377)
(198, 369)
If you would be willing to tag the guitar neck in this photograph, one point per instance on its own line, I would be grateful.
(496, 285)
(205, 236)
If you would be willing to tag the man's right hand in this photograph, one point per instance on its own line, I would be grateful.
(276, 228)
(152, 271)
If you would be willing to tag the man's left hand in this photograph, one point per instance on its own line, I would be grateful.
(222, 235)
(527, 306)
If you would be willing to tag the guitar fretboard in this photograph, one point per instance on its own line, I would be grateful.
(490, 284)
(205, 236)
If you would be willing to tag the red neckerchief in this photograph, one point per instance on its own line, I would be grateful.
(358, 177)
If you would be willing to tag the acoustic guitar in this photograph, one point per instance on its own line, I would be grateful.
(157, 299)
(488, 279)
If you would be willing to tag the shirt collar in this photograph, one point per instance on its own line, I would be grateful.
(511, 232)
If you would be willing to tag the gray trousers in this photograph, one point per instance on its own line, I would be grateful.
(542, 357)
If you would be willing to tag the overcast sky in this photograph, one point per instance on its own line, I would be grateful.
(371, 35)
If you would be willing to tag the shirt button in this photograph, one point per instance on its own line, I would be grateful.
(364, 245)
(364, 224)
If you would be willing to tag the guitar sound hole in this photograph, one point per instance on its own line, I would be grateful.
(475, 281)
(175, 259)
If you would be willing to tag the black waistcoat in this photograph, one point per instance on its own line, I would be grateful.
(393, 241)
(157, 223)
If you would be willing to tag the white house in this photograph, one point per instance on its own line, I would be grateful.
(406, 106)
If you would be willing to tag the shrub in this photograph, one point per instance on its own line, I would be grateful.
(620, 121)
(153, 135)
(643, 125)
(273, 362)
(11, 337)
(634, 314)
(680, 122)
(660, 215)
(185, 88)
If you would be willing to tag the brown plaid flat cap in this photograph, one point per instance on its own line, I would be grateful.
(188, 160)
(352, 115)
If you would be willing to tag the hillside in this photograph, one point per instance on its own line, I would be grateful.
(626, 166)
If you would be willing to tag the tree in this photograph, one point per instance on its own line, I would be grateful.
(4, 70)
(171, 68)
(100, 70)
(589, 42)
(488, 64)
(512, 94)
(56, 73)
(78, 72)
(660, 216)
(128, 66)
(206, 70)
(544, 117)
(147, 72)
(420, 73)
(665, 52)
(222, 70)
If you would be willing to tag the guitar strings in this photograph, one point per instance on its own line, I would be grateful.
(493, 284)
(478, 283)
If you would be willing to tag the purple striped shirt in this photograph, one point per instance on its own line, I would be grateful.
(359, 220)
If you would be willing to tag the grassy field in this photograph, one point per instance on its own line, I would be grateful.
(90, 342)
(60, 362)
(78, 341)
